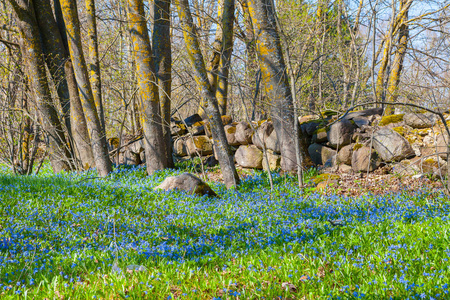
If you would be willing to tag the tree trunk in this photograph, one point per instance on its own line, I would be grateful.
(274, 77)
(94, 62)
(396, 71)
(221, 147)
(163, 61)
(33, 55)
(55, 55)
(80, 133)
(98, 138)
(155, 151)
(225, 54)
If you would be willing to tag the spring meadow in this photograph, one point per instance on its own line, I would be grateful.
(224, 149)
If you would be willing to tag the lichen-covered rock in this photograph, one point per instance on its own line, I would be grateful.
(188, 183)
(320, 154)
(198, 128)
(249, 156)
(243, 133)
(365, 113)
(364, 159)
(230, 132)
(263, 132)
(391, 146)
(200, 144)
(407, 168)
(320, 136)
(226, 120)
(391, 119)
(442, 143)
(274, 161)
(418, 120)
(344, 155)
(310, 127)
(177, 129)
(340, 133)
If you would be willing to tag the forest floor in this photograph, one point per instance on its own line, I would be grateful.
(77, 236)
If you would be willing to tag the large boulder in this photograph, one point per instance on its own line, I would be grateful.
(442, 142)
(310, 127)
(417, 120)
(320, 136)
(243, 133)
(262, 133)
(364, 159)
(249, 156)
(177, 128)
(131, 158)
(365, 113)
(391, 146)
(272, 142)
(230, 132)
(340, 133)
(320, 154)
(344, 155)
(199, 144)
(188, 183)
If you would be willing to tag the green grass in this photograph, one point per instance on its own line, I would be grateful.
(62, 236)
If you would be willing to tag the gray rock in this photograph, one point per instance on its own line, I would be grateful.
(361, 121)
(230, 132)
(179, 147)
(249, 156)
(177, 128)
(272, 142)
(320, 136)
(188, 183)
(391, 146)
(191, 120)
(344, 155)
(363, 159)
(417, 120)
(442, 142)
(310, 127)
(200, 144)
(243, 133)
(340, 133)
(406, 168)
(345, 168)
(263, 132)
(320, 154)
(131, 158)
(364, 113)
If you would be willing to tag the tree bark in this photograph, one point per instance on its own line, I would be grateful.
(98, 138)
(163, 61)
(225, 54)
(274, 77)
(396, 71)
(211, 107)
(94, 62)
(148, 90)
(80, 133)
(33, 55)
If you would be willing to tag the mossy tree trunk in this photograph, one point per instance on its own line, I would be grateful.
(155, 145)
(97, 134)
(211, 106)
(94, 61)
(274, 77)
(80, 133)
(161, 41)
(33, 54)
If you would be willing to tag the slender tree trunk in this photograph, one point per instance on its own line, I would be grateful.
(98, 138)
(162, 50)
(274, 77)
(80, 132)
(33, 56)
(94, 62)
(225, 158)
(225, 54)
(396, 71)
(155, 144)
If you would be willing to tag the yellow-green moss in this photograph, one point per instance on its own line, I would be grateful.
(400, 130)
(319, 130)
(325, 177)
(386, 120)
(198, 124)
(231, 130)
(329, 113)
(357, 146)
